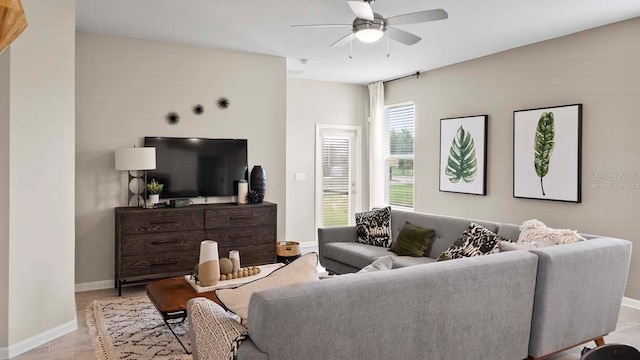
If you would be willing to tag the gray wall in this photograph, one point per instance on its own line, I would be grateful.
(309, 103)
(41, 176)
(598, 68)
(126, 87)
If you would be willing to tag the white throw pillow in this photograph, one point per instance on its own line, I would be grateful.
(300, 271)
(383, 263)
(536, 231)
(509, 246)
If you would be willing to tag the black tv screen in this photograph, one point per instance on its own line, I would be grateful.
(190, 167)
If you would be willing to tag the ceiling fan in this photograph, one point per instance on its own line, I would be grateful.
(369, 27)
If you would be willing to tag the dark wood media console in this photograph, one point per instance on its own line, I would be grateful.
(159, 243)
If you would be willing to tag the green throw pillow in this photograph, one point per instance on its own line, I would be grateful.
(413, 241)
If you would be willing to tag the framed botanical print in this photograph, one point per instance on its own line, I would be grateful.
(463, 154)
(547, 153)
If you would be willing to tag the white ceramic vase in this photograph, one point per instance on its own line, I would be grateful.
(209, 265)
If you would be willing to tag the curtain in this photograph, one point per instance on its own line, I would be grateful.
(376, 144)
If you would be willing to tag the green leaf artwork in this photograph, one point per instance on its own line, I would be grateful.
(543, 146)
(462, 163)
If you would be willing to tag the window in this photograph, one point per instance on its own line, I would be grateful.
(399, 130)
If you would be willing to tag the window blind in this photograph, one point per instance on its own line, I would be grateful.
(399, 136)
(335, 181)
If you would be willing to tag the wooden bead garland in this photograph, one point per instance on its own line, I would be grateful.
(244, 272)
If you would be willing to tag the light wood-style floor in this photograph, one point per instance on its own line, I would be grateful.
(77, 345)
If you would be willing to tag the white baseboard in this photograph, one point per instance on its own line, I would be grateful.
(42, 338)
(95, 285)
(631, 302)
(4, 353)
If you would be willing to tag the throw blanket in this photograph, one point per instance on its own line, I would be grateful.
(208, 318)
(536, 231)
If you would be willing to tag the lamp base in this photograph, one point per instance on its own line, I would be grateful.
(137, 188)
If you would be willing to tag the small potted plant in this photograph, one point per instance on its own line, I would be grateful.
(154, 189)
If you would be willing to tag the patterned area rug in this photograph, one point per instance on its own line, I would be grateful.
(132, 329)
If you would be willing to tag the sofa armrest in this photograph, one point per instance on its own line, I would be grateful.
(579, 291)
(213, 333)
(335, 234)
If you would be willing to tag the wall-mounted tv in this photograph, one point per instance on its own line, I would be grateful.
(190, 167)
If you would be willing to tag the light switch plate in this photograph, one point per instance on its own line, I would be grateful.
(301, 176)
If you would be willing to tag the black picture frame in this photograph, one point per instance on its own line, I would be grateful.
(557, 173)
(451, 178)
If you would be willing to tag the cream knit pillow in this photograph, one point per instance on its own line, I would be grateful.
(536, 231)
(300, 271)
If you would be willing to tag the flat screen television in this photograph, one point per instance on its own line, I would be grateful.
(190, 167)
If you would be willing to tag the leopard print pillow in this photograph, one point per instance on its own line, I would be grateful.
(374, 227)
(475, 240)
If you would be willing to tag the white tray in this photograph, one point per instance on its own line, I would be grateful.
(223, 284)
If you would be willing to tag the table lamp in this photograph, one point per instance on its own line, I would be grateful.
(136, 161)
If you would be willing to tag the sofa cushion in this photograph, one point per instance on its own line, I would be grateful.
(413, 240)
(374, 227)
(509, 231)
(301, 270)
(404, 261)
(353, 253)
(475, 241)
(447, 228)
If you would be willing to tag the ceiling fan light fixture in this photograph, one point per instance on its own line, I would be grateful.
(369, 35)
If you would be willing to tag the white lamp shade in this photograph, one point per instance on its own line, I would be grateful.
(143, 158)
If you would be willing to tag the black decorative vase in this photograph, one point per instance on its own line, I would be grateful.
(258, 181)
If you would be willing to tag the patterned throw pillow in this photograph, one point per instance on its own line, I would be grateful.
(476, 240)
(374, 227)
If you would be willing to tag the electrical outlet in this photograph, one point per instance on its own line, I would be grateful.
(301, 176)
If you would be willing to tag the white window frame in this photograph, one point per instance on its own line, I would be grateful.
(357, 200)
(387, 155)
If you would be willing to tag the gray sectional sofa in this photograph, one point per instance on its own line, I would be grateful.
(475, 308)
(509, 306)
(579, 286)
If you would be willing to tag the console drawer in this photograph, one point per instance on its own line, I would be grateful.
(246, 236)
(240, 216)
(256, 244)
(152, 243)
(161, 221)
(159, 264)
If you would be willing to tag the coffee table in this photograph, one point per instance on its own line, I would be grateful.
(170, 297)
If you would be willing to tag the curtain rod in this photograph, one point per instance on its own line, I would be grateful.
(416, 74)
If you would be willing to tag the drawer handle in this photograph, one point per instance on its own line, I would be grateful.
(162, 222)
(164, 242)
(165, 264)
(240, 217)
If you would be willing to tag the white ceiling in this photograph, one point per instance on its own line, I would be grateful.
(475, 28)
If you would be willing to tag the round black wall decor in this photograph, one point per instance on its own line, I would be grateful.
(173, 118)
(198, 109)
(223, 103)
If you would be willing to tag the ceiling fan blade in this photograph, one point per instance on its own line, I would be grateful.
(402, 36)
(361, 9)
(344, 40)
(321, 25)
(417, 17)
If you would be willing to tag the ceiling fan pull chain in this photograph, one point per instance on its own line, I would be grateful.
(388, 45)
(351, 49)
